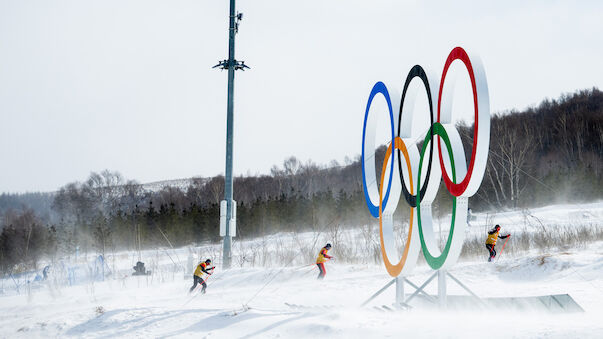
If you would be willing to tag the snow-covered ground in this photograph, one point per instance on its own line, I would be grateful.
(288, 302)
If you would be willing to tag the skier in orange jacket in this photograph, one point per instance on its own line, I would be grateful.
(322, 258)
(198, 275)
(491, 241)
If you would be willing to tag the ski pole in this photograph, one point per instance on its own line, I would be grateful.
(206, 279)
(299, 268)
(503, 248)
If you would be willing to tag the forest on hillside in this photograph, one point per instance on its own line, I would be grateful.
(551, 153)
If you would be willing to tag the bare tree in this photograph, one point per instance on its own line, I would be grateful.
(511, 147)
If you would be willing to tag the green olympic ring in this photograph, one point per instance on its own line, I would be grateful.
(436, 262)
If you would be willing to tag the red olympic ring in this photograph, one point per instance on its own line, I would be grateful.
(459, 53)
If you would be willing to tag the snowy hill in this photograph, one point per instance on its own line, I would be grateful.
(282, 299)
(181, 184)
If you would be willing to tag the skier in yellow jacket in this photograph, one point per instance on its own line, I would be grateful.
(491, 241)
(322, 258)
(202, 268)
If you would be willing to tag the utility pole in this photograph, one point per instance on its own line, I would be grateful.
(228, 218)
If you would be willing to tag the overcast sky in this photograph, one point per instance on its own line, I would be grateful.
(127, 85)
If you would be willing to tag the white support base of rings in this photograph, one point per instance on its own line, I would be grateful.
(441, 300)
(400, 296)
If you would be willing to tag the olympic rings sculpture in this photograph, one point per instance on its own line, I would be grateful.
(461, 181)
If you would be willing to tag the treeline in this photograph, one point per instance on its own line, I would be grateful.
(548, 154)
(552, 153)
(24, 240)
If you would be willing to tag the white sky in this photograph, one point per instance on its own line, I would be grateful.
(127, 85)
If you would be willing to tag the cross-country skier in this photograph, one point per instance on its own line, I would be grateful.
(45, 271)
(198, 275)
(320, 261)
(491, 241)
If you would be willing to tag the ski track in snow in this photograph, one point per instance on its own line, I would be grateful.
(295, 305)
